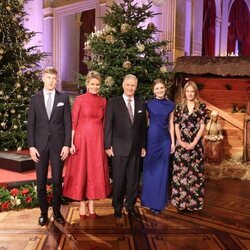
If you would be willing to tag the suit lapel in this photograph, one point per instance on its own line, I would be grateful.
(124, 108)
(136, 109)
(56, 100)
(42, 103)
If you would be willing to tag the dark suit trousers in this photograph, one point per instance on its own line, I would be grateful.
(42, 171)
(125, 180)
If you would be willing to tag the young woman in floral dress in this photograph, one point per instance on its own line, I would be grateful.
(188, 165)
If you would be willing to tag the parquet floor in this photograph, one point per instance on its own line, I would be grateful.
(223, 224)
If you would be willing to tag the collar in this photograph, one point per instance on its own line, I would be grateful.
(46, 91)
(126, 98)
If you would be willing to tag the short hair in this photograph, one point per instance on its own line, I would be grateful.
(50, 70)
(93, 74)
(130, 76)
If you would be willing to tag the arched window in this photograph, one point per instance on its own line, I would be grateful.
(208, 31)
(238, 39)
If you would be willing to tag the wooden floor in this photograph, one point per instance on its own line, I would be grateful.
(223, 224)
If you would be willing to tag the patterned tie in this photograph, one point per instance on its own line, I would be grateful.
(49, 105)
(130, 111)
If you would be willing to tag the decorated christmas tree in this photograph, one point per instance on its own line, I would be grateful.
(19, 74)
(127, 45)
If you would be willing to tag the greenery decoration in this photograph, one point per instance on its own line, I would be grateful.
(19, 74)
(127, 45)
(23, 197)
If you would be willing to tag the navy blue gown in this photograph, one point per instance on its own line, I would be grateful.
(156, 162)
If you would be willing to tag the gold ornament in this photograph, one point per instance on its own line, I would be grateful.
(140, 47)
(109, 81)
(126, 65)
(13, 111)
(110, 39)
(164, 69)
(125, 28)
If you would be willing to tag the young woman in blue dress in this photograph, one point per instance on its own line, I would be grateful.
(160, 143)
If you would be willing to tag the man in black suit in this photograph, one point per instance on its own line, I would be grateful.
(125, 132)
(49, 139)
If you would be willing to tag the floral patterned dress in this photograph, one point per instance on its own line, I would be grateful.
(188, 165)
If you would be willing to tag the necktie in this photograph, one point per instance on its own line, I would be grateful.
(49, 105)
(130, 111)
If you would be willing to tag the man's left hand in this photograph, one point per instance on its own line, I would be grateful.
(64, 153)
(143, 152)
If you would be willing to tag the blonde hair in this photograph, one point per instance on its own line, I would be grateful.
(130, 76)
(93, 74)
(50, 70)
(159, 80)
(196, 92)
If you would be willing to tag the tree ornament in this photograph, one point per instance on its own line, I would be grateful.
(3, 124)
(140, 47)
(1, 92)
(151, 26)
(164, 69)
(107, 28)
(110, 39)
(13, 111)
(126, 65)
(18, 85)
(15, 127)
(19, 97)
(125, 28)
(109, 81)
(26, 89)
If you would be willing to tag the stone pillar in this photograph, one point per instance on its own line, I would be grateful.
(48, 35)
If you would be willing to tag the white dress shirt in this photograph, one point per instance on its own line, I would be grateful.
(46, 96)
(125, 98)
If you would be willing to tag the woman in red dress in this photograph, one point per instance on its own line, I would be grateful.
(87, 177)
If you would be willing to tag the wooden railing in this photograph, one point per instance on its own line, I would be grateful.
(224, 115)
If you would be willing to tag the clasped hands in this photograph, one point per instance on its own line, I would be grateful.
(187, 146)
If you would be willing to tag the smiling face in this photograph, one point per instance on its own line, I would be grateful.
(190, 93)
(49, 80)
(129, 86)
(159, 90)
(93, 86)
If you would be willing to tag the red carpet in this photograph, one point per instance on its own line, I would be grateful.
(7, 177)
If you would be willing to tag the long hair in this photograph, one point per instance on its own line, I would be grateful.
(196, 95)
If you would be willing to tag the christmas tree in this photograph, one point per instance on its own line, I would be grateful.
(127, 46)
(19, 74)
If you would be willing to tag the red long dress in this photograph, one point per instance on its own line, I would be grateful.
(87, 170)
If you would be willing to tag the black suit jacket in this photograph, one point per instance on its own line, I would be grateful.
(120, 132)
(57, 129)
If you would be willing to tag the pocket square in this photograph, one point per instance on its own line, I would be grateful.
(139, 111)
(60, 104)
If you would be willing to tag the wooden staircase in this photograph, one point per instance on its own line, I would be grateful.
(222, 94)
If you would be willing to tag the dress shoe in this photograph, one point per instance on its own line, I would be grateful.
(155, 211)
(83, 216)
(59, 218)
(93, 216)
(43, 220)
(132, 212)
(118, 214)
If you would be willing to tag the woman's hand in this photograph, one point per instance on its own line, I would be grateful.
(172, 148)
(72, 149)
(191, 146)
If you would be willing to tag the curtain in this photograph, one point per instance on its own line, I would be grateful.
(88, 25)
(208, 31)
(238, 29)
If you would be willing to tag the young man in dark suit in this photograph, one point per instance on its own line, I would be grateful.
(49, 139)
(125, 133)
